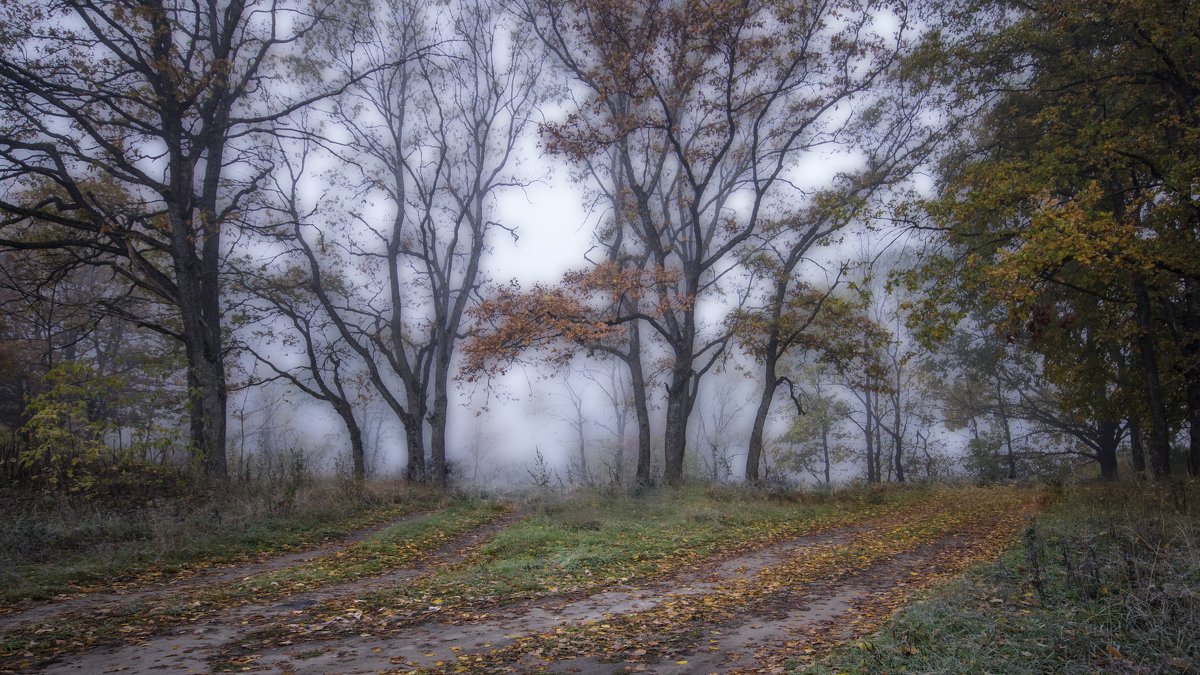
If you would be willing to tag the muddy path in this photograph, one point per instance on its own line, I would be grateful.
(809, 617)
(342, 647)
(216, 573)
(528, 636)
(190, 648)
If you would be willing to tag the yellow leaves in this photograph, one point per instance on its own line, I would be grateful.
(587, 309)
(1076, 239)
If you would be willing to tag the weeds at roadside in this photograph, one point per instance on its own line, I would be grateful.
(1107, 579)
(56, 545)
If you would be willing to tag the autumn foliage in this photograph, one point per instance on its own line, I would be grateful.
(580, 314)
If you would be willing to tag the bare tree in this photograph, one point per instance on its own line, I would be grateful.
(431, 141)
(577, 420)
(617, 391)
(894, 140)
(327, 369)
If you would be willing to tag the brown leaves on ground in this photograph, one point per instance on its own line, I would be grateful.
(957, 530)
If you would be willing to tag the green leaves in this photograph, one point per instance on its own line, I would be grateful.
(66, 438)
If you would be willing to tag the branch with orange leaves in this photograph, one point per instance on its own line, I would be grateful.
(588, 311)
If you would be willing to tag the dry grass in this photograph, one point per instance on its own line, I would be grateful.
(55, 544)
(1106, 580)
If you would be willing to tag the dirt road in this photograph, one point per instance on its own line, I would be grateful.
(749, 612)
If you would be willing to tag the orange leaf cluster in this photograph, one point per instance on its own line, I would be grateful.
(583, 312)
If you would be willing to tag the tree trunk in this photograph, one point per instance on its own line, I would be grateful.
(1136, 449)
(771, 355)
(438, 469)
(206, 373)
(825, 448)
(755, 446)
(897, 437)
(643, 476)
(213, 397)
(869, 428)
(211, 255)
(879, 477)
(641, 407)
(1010, 455)
(195, 254)
(415, 441)
(621, 415)
(1160, 434)
(681, 395)
(1106, 452)
(585, 474)
(675, 433)
(679, 406)
(358, 456)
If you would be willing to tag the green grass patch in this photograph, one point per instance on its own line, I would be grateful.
(1107, 579)
(396, 547)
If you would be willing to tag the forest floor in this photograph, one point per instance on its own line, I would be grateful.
(679, 581)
